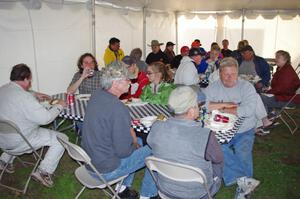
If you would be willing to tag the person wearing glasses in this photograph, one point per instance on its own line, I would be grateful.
(108, 137)
(138, 78)
(158, 91)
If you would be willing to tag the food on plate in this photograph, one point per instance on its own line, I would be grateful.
(161, 117)
(53, 102)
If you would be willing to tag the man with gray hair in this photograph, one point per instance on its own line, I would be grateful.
(232, 95)
(182, 140)
(108, 138)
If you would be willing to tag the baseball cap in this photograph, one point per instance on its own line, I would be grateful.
(184, 49)
(196, 51)
(128, 60)
(169, 43)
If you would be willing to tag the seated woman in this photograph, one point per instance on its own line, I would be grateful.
(182, 140)
(284, 83)
(137, 78)
(87, 79)
(211, 63)
(158, 91)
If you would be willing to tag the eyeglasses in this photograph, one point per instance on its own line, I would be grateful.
(150, 73)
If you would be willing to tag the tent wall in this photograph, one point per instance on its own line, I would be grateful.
(51, 50)
(126, 26)
(160, 26)
(51, 39)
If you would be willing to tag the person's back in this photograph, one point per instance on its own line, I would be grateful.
(186, 73)
(104, 131)
(11, 105)
(181, 141)
(17, 105)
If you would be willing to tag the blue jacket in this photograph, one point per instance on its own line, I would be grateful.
(262, 69)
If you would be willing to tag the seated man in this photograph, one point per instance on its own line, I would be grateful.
(187, 75)
(182, 140)
(21, 107)
(238, 97)
(108, 138)
(251, 64)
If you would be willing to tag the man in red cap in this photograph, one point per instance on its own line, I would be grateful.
(197, 44)
(184, 51)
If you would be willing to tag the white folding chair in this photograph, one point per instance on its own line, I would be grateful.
(7, 129)
(83, 175)
(286, 118)
(177, 172)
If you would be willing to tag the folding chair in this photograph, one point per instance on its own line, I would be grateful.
(8, 128)
(83, 175)
(286, 118)
(177, 172)
(297, 69)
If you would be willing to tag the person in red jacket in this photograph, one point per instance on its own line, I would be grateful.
(137, 78)
(284, 84)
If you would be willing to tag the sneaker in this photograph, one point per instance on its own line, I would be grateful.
(129, 194)
(247, 185)
(43, 177)
(9, 169)
(262, 132)
(273, 115)
(239, 194)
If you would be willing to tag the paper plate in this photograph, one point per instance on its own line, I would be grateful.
(136, 103)
(148, 121)
(83, 97)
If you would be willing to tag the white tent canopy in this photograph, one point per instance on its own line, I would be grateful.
(50, 35)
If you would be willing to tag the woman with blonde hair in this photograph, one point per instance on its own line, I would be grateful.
(158, 91)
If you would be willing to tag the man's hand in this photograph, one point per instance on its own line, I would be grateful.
(42, 96)
(232, 110)
(85, 73)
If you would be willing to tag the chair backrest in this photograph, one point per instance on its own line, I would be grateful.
(288, 103)
(8, 127)
(75, 151)
(175, 171)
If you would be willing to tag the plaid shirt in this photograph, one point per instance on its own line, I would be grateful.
(88, 85)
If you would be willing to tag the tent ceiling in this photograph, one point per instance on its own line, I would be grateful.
(211, 5)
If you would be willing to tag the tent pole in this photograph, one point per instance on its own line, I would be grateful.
(144, 32)
(243, 23)
(93, 29)
(176, 31)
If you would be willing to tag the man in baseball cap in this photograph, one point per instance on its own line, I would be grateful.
(186, 73)
(184, 51)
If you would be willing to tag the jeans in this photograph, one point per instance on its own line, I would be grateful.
(271, 102)
(129, 166)
(238, 157)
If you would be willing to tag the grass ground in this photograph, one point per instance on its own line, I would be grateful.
(276, 165)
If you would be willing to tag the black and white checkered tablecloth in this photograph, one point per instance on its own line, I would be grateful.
(74, 112)
(203, 83)
(77, 111)
(222, 136)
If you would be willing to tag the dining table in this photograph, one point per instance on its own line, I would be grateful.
(137, 111)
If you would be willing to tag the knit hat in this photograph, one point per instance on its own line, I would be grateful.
(181, 99)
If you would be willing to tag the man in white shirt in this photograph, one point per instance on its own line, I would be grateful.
(186, 73)
(22, 107)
